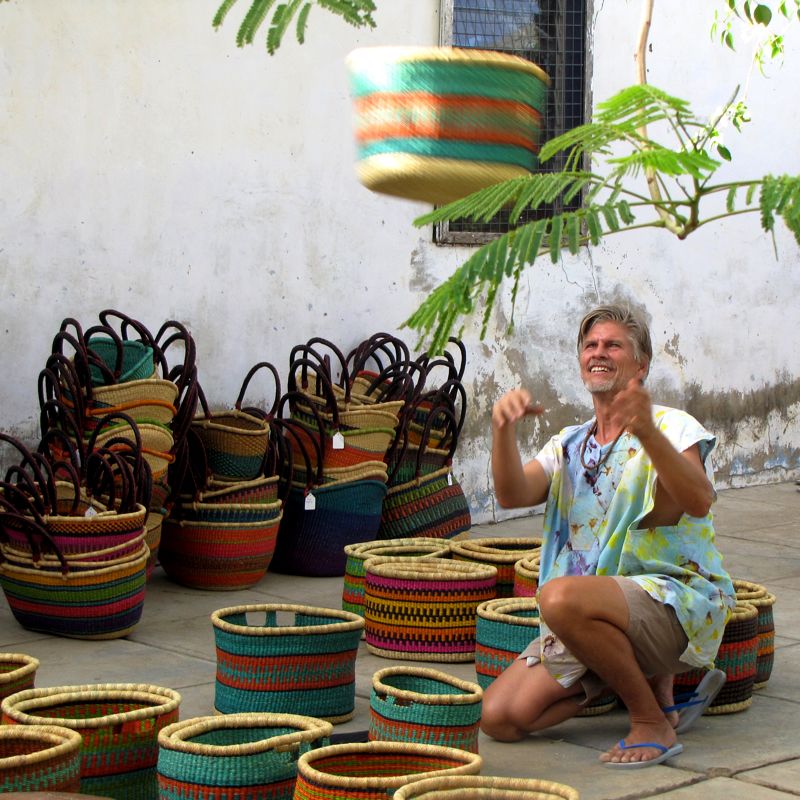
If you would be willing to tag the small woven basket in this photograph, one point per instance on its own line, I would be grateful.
(235, 443)
(737, 657)
(763, 600)
(526, 577)
(357, 554)
(119, 725)
(501, 552)
(475, 787)
(236, 755)
(17, 672)
(39, 758)
(424, 706)
(306, 666)
(424, 610)
(375, 770)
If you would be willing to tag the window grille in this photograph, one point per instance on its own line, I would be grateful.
(551, 33)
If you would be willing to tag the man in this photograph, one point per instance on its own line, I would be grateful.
(632, 588)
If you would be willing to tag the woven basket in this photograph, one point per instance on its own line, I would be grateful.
(104, 603)
(258, 490)
(213, 513)
(469, 787)
(219, 556)
(424, 610)
(763, 600)
(148, 399)
(526, 577)
(375, 770)
(236, 755)
(39, 758)
(137, 359)
(504, 628)
(153, 527)
(500, 552)
(357, 554)
(17, 672)
(306, 666)
(424, 706)
(235, 443)
(119, 724)
(438, 123)
(737, 657)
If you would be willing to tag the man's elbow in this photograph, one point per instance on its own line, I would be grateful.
(701, 504)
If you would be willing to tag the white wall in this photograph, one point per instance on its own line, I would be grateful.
(148, 164)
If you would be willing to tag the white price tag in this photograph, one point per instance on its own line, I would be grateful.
(449, 478)
(90, 512)
(311, 502)
(338, 441)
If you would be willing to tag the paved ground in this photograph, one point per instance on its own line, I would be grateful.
(754, 754)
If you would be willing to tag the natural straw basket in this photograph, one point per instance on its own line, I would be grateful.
(737, 657)
(501, 552)
(39, 758)
(477, 787)
(424, 706)
(424, 610)
(357, 554)
(438, 123)
(236, 755)
(526, 577)
(17, 672)
(119, 724)
(763, 600)
(306, 666)
(375, 770)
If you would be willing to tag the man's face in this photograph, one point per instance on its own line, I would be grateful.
(607, 359)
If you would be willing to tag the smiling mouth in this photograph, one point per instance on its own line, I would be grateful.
(599, 369)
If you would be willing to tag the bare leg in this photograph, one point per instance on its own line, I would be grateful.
(590, 616)
(662, 689)
(525, 699)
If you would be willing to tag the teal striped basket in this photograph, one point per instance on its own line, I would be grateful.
(424, 706)
(39, 758)
(302, 661)
(236, 756)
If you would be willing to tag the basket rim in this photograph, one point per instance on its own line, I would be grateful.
(420, 788)
(436, 547)
(63, 741)
(213, 423)
(528, 566)
(134, 560)
(260, 507)
(174, 736)
(745, 610)
(434, 568)
(469, 762)
(187, 523)
(79, 559)
(747, 590)
(163, 699)
(348, 621)
(105, 514)
(488, 550)
(29, 664)
(400, 541)
(471, 691)
(499, 610)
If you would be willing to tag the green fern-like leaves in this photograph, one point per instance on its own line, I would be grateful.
(781, 196)
(355, 12)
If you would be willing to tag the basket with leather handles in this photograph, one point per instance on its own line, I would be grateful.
(370, 358)
(235, 441)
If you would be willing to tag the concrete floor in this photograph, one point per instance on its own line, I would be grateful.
(754, 754)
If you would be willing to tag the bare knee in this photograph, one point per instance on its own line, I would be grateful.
(496, 719)
(558, 601)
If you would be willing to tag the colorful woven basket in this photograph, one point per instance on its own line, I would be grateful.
(136, 360)
(235, 443)
(375, 770)
(258, 490)
(737, 657)
(103, 603)
(499, 551)
(219, 556)
(437, 123)
(304, 665)
(504, 628)
(357, 554)
(526, 577)
(17, 672)
(758, 596)
(424, 610)
(424, 706)
(119, 724)
(247, 756)
(39, 758)
(473, 787)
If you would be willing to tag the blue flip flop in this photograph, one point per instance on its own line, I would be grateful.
(690, 707)
(663, 755)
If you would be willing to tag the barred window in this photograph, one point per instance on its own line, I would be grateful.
(552, 34)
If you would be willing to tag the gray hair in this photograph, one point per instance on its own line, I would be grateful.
(631, 319)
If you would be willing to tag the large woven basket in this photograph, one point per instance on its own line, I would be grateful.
(502, 552)
(119, 724)
(236, 755)
(758, 596)
(737, 657)
(357, 554)
(526, 577)
(375, 770)
(17, 672)
(39, 758)
(424, 610)
(488, 787)
(424, 706)
(437, 123)
(303, 665)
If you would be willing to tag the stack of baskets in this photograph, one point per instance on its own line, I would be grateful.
(502, 552)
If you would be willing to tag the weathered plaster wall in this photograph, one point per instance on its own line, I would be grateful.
(149, 165)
